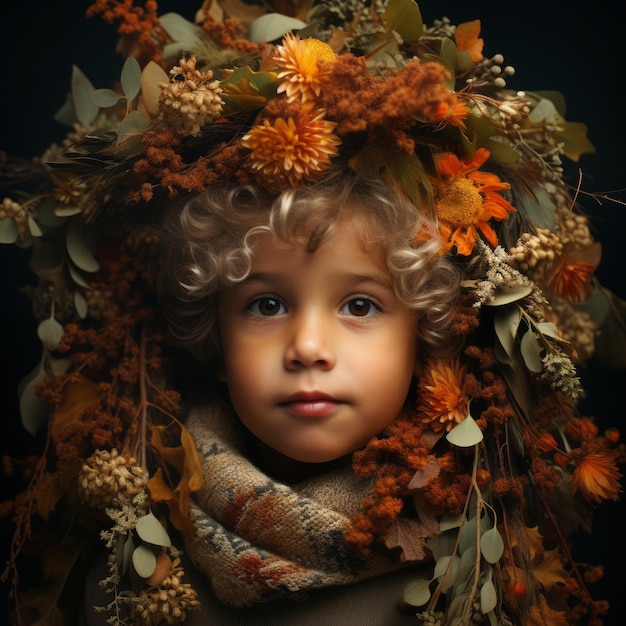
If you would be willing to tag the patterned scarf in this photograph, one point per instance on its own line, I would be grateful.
(257, 539)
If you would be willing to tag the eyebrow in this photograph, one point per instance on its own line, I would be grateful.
(356, 279)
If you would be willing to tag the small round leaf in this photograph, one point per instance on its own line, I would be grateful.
(465, 434)
(417, 593)
(50, 333)
(152, 531)
(144, 561)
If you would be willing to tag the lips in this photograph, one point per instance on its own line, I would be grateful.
(310, 404)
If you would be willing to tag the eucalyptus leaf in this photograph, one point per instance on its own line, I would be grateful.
(442, 545)
(550, 330)
(469, 558)
(465, 434)
(46, 213)
(506, 324)
(8, 230)
(50, 333)
(417, 592)
(130, 78)
(134, 121)
(105, 98)
(447, 523)
(445, 564)
(129, 548)
(144, 561)
(34, 228)
(467, 536)
(488, 597)
(67, 211)
(152, 531)
(531, 351)
(405, 18)
(86, 111)
(34, 411)
(492, 545)
(538, 208)
(506, 294)
(80, 304)
(81, 245)
(272, 26)
(77, 277)
(180, 29)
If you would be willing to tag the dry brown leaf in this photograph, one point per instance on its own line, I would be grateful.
(425, 474)
(410, 536)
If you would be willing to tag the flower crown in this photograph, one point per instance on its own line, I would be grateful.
(278, 100)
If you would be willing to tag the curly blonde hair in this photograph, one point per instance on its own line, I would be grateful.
(209, 244)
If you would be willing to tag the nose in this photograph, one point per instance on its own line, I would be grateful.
(309, 344)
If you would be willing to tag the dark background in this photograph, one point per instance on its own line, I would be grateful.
(572, 47)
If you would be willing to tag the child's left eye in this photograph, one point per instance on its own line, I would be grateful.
(360, 307)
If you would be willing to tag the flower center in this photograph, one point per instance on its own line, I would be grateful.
(458, 202)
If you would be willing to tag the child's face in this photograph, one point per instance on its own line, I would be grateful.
(319, 353)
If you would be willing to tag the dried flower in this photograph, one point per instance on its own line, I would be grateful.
(443, 400)
(287, 152)
(465, 199)
(596, 477)
(190, 100)
(106, 476)
(299, 64)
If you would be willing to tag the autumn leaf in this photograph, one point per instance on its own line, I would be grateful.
(410, 536)
(550, 570)
(542, 615)
(186, 461)
(425, 474)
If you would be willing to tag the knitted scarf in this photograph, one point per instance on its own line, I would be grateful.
(257, 539)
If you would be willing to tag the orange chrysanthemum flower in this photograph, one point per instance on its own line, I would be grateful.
(443, 400)
(467, 39)
(466, 199)
(287, 152)
(572, 280)
(298, 61)
(596, 477)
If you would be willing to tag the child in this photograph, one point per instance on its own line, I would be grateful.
(315, 310)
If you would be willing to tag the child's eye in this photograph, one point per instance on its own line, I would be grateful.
(360, 307)
(266, 307)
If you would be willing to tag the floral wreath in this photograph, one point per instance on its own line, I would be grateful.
(247, 94)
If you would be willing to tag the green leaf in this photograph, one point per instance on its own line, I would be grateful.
(506, 323)
(34, 411)
(152, 531)
(441, 568)
(465, 434)
(130, 78)
(417, 592)
(405, 18)
(182, 31)
(575, 140)
(501, 152)
(77, 277)
(488, 597)
(491, 545)
(272, 26)
(67, 211)
(50, 333)
(537, 208)
(531, 351)
(80, 304)
(34, 228)
(81, 245)
(144, 561)
(134, 121)
(105, 98)
(506, 294)
(8, 230)
(86, 111)
(447, 523)
(151, 77)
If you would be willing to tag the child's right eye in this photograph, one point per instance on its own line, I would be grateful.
(266, 307)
